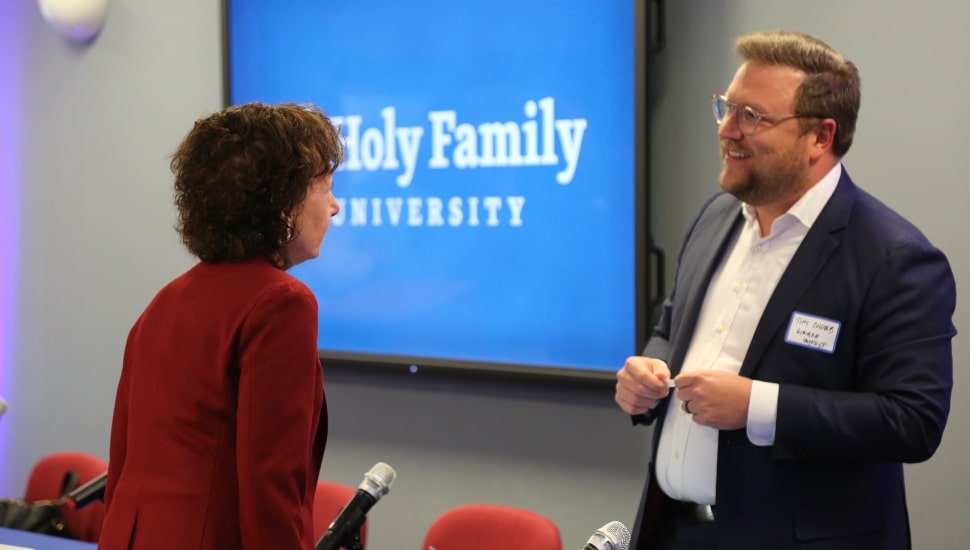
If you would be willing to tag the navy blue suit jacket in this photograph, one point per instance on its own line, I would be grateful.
(846, 420)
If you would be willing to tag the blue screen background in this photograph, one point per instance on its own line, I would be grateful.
(558, 290)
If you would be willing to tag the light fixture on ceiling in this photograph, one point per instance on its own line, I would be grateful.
(78, 20)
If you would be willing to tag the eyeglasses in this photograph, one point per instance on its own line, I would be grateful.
(748, 119)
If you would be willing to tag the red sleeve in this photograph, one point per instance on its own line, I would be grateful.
(277, 416)
(118, 446)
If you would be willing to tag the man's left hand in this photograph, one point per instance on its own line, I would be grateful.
(715, 398)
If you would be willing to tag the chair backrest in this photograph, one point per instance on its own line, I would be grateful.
(491, 526)
(45, 482)
(329, 500)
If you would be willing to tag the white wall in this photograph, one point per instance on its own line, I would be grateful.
(97, 242)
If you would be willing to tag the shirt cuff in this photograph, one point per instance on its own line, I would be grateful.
(762, 413)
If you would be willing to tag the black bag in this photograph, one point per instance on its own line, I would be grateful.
(42, 516)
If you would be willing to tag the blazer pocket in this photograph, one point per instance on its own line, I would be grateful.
(837, 519)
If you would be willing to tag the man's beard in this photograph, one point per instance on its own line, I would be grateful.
(785, 177)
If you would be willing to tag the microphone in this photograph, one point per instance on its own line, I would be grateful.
(87, 493)
(377, 482)
(612, 536)
(3, 406)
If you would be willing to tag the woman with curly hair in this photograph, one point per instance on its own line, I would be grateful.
(220, 417)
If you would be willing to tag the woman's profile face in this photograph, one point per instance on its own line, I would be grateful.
(313, 221)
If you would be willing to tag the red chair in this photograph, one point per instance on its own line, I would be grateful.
(46, 483)
(329, 499)
(491, 526)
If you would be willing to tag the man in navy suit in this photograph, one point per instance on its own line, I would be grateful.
(804, 353)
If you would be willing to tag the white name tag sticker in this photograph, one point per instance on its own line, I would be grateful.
(813, 332)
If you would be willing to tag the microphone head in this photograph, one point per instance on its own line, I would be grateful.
(3, 406)
(378, 480)
(612, 536)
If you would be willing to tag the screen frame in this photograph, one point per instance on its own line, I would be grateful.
(644, 278)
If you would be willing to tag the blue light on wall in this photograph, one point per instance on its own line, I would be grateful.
(13, 20)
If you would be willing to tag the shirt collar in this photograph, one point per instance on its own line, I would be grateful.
(809, 206)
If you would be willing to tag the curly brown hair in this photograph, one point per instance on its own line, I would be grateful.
(831, 87)
(242, 174)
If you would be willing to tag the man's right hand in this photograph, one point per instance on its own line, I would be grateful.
(640, 383)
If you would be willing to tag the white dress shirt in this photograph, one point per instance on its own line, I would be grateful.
(686, 466)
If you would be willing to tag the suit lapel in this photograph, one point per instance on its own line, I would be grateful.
(820, 242)
(708, 245)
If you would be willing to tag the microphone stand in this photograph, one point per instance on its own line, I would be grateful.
(354, 542)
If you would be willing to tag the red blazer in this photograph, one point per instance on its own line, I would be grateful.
(220, 418)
